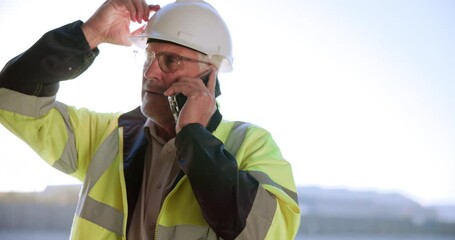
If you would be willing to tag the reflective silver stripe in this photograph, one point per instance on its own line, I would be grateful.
(263, 210)
(234, 142)
(104, 215)
(88, 208)
(36, 107)
(265, 179)
(189, 232)
(23, 104)
(236, 137)
(102, 159)
(260, 217)
(68, 161)
(257, 224)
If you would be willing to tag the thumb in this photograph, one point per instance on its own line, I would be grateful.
(129, 40)
(138, 31)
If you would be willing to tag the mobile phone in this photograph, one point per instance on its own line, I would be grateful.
(177, 101)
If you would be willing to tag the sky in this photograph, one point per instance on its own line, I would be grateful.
(358, 94)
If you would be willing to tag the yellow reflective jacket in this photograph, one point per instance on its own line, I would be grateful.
(93, 148)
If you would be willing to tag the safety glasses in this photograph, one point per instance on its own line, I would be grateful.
(168, 62)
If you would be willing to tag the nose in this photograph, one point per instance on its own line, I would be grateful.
(151, 69)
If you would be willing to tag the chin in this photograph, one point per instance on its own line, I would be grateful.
(144, 112)
(159, 115)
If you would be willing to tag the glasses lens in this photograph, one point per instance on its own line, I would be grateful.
(168, 62)
(149, 57)
(140, 58)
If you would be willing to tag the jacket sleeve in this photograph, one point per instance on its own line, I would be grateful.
(60, 54)
(59, 134)
(251, 197)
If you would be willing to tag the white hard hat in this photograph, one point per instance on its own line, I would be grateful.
(194, 24)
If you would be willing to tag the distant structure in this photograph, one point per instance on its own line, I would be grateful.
(366, 212)
(52, 209)
(324, 211)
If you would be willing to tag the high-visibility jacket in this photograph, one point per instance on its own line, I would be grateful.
(96, 147)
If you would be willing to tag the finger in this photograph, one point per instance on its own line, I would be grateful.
(145, 12)
(139, 6)
(142, 10)
(138, 31)
(154, 7)
(212, 81)
(132, 10)
(178, 87)
(171, 91)
(151, 8)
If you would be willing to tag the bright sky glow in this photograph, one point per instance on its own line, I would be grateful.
(358, 94)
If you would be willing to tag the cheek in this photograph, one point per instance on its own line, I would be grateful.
(156, 108)
(155, 103)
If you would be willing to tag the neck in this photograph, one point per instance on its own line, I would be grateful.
(165, 132)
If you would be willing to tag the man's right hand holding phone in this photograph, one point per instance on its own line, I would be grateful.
(201, 102)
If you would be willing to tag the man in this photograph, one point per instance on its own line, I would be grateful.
(152, 173)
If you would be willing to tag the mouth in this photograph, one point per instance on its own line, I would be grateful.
(153, 93)
(152, 90)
